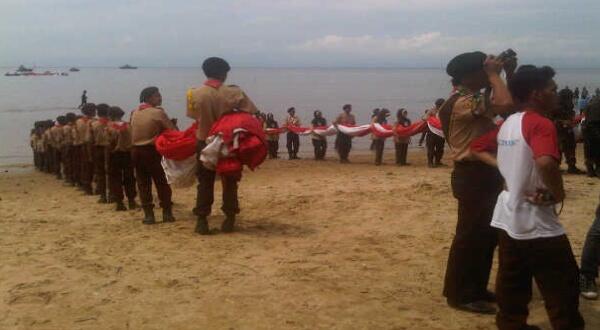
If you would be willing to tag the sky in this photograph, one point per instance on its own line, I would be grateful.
(296, 33)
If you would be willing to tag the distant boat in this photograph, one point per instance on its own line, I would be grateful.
(64, 74)
(22, 68)
(12, 74)
(74, 69)
(128, 67)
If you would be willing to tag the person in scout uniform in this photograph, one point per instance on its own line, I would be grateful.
(100, 144)
(121, 177)
(467, 115)
(57, 133)
(343, 142)
(82, 144)
(206, 104)
(147, 122)
(293, 139)
(67, 147)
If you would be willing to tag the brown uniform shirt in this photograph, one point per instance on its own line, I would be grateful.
(56, 132)
(345, 119)
(147, 124)
(470, 118)
(82, 132)
(46, 140)
(67, 135)
(292, 121)
(208, 103)
(99, 133)
(119, 135)
(33, 140)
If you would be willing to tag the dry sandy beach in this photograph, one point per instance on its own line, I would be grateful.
(319, 245)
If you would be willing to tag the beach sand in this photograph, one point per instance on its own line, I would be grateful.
(319, 245)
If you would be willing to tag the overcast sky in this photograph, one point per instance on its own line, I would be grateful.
(357, 33)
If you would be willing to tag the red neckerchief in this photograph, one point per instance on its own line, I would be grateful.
(119, 125)
(144, 106)
(214, 83)
(103, 120)
(85, 119)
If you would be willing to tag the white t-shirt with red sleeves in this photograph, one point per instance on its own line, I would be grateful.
(523, 137)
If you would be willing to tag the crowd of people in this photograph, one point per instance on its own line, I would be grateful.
(506, 177)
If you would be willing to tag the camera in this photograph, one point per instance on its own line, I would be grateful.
(506, 55)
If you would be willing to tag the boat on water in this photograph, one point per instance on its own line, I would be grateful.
(74, 69)
(23, 69)
(128, 67)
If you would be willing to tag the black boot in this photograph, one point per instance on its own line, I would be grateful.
(87, 190)
(120, 206)
(227, 226)
(102, 199)
(132, 205)
(574, 170)
(168, 214)
(149, 215)
(202, 226)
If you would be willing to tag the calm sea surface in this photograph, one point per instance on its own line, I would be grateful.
(24, 100)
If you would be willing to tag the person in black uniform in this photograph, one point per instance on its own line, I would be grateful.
(563, 119)
(591, 137)
(319, 142)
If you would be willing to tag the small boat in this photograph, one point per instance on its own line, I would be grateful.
(128, 67)
(22, 68)
(12, 74)
(64, 74)
(74, 69)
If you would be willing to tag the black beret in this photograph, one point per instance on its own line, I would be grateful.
(465, 63)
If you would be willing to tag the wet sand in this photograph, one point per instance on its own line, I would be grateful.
(319, 245)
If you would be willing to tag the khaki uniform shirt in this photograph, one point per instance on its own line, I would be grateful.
(119, 136)
(292, 121)
(47, 139)
(469, 119)
(67, 135)
(345, 119)
(57, 135)
(99, 133)
(33, 141)
(82, 132)
(40, 143)
(207, 104)
(147, 124)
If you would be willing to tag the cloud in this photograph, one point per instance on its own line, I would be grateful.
(367, 44)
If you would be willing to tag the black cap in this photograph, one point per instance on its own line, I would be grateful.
(464, 64)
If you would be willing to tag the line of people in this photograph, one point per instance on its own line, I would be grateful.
(343, 142)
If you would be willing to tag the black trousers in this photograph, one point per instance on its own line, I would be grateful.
(378, 145)
(343, 144)
(590, 256)
(205, 196)
(591, 146)
(401, 153)
(273, 148)
(293, 144)
(320, 148)
(551, 263)
(148, 169)
(435, 148)
(568, 145)
(476, 187)
(121, 176)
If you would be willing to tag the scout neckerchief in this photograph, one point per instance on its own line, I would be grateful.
(144, 106)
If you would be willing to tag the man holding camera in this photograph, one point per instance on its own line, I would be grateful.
(465, 116)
